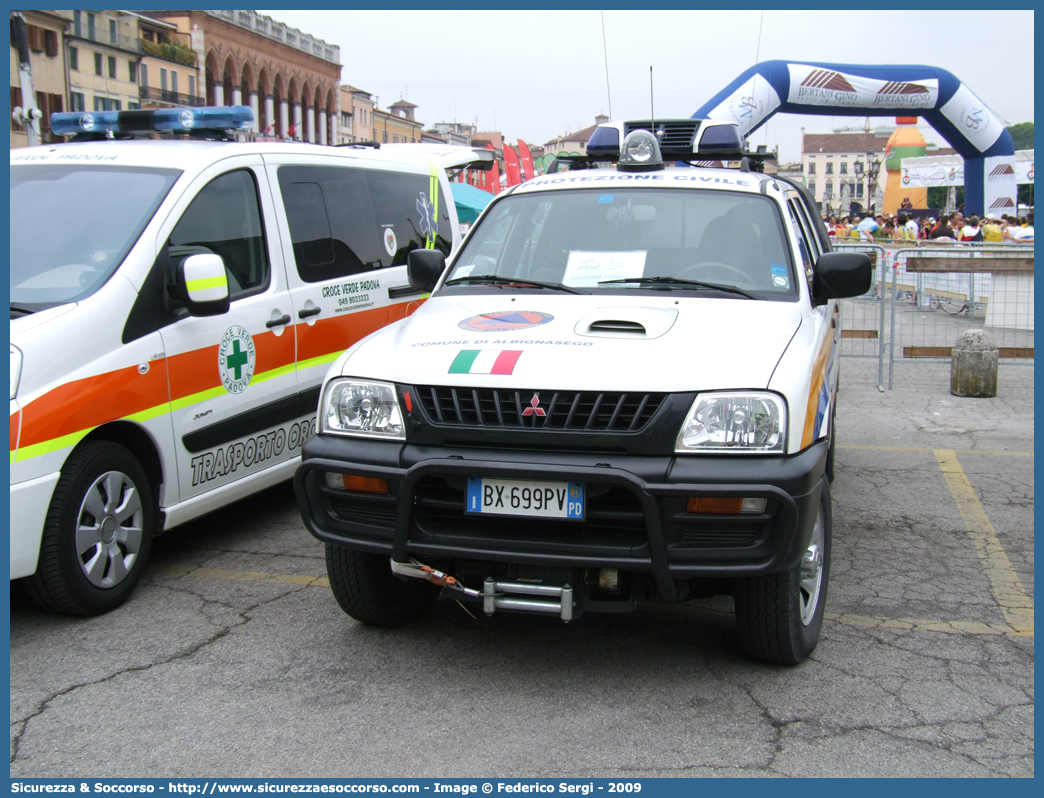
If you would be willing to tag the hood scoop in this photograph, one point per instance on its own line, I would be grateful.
(616, 326)
(629, 323)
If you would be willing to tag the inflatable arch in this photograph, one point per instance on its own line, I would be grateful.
(805, 87)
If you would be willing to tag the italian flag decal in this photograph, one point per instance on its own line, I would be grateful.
(485, 361)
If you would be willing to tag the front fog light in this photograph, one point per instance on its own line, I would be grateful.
(353, 407)
(752, 423)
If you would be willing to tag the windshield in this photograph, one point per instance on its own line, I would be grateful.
(633, 240)
(72, 225)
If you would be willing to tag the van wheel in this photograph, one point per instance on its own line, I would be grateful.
(779, 616)
(368, 591)
(97, 534)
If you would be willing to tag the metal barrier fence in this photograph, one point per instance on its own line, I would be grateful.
(925, 295)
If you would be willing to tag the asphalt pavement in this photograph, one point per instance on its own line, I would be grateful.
(233, 659)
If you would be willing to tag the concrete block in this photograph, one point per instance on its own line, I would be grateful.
(973, 369)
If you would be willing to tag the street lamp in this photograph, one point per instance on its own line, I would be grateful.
(873, 166)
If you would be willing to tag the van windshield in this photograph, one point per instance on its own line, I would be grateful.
(632, 240)
(73, 224)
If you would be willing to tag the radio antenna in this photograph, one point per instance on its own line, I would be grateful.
(652, 106)
(605, 51)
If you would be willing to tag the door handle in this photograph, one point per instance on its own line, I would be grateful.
(398, 291)
(278, 322)
(309, 312)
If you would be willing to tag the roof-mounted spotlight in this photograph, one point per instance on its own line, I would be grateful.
(640, 153)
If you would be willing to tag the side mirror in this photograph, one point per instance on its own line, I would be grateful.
(203, 285)
(424, 267)
(841, 274)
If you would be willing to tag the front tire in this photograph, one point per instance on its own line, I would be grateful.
(97, 534)
(368, 591)
(780, 616)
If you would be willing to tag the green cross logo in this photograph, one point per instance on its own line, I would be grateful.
(236, 358)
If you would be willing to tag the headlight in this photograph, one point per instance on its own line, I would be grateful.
(16, 369)
(737, 423)
(370, 409)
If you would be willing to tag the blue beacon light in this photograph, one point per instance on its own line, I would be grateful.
(233, 117)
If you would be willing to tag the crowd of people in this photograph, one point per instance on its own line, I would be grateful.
(901, 227)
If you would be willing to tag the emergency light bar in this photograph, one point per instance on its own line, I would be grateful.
(678, 139)
(163, 120)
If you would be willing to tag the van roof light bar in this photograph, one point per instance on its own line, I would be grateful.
(122, 124)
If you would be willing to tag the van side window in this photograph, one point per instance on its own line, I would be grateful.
(225, 219)
(345, 221)
(403, 203)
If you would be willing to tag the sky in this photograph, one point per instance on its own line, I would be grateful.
(537, 75)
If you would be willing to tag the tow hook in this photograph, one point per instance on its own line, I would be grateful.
(547, 599)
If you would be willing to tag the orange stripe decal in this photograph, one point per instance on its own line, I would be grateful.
(818, 375)
(16, 419)
(90, 402)
(87, 403)
(338, 333)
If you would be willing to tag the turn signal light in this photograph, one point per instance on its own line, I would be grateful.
(356, 483)
(725, 504)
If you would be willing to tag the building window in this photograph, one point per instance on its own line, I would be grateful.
(74, 59)
(859, 167)
(828, 189)
(50, 43)
(844, 167)
(812, 188)
(174, 81)
(77, 24)
(112, 67)
(133, 106)
(132, 72)
(16, 101)
(143, 76)
(90, 29)
(192, 85)
(97, 103)
(76, 101)
(395, 138)
(112, 31)
(811, 168)
(829, 168)
(859, 190)
(384, 137)
(48, 104)
(163, 79)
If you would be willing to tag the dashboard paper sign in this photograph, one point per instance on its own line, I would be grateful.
(585, 269)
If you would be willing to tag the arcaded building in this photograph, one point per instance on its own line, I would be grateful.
(289, 78)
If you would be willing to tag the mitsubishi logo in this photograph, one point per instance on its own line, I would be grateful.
(534, 409)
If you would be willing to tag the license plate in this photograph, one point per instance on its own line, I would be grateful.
(521, 497)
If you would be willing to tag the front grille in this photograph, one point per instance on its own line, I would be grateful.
(577, 411)
(677, 133)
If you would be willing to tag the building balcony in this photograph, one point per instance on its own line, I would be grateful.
(147, 94)
(103, 37)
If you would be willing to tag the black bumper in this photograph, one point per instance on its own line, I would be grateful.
(636, 519)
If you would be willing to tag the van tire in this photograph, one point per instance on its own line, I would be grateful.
(769, 608)
(368, 591)
(80, 571)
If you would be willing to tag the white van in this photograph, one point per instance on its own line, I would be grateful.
(174, 307)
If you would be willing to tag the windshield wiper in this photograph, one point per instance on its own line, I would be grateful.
(492, 279)
(24, 309)
(667, 281)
